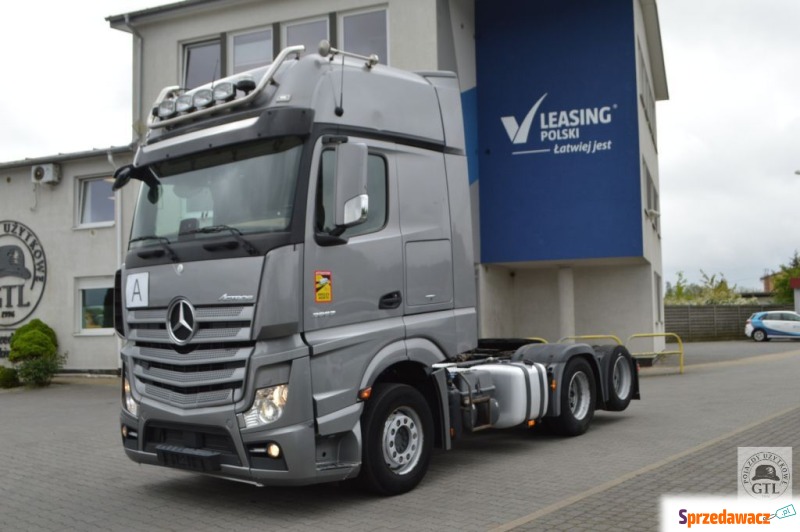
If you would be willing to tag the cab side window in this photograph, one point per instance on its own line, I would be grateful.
(376, 189)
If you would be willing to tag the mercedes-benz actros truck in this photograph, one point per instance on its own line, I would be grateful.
(298, 302)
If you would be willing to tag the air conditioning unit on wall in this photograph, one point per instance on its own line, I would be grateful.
(46, 173)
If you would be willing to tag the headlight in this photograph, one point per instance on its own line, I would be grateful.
(268, 406)
(128, 402)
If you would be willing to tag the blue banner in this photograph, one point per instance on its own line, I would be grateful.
(558, 130)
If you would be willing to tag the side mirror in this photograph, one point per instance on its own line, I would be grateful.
(124, 174)
(350, 195)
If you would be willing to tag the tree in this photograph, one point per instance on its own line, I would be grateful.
(713, 290)
(782, 291)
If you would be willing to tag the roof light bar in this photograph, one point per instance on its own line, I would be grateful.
(204, 99)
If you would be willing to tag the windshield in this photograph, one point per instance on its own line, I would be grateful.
(249, 188)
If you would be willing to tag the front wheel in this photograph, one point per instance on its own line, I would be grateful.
(397, 431)
(759, 335)
(577, 398)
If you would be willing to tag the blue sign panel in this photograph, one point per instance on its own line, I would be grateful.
(558, 131)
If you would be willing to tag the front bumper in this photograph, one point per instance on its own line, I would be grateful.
(214, 439)
(296, 465)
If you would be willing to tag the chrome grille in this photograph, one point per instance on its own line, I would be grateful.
(209, 370)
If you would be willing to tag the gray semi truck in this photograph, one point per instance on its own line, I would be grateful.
(298, 303)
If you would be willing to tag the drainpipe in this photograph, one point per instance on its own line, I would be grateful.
(117, 210)
(139, 76)
(118, 234)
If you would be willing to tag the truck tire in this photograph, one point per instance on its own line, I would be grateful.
(397, 438)
(620, 379)
(577, 398)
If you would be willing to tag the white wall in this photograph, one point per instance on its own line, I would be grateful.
(525, 302)
(72, 253)
(649, 154)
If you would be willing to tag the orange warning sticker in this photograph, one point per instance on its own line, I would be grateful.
(323, 287)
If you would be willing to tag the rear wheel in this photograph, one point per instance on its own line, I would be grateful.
(620, 377)
(577, 398)
(760, 336)
(397, 435)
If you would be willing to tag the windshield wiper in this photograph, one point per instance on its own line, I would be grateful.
(164, 242)
(232, 230)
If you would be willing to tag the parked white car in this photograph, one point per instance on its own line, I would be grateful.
(763, 326)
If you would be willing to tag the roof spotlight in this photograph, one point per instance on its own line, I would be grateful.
(224, 92)
(203, 98)
(184, 103)
(166, 109)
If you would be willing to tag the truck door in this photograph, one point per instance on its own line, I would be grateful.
(352, 291)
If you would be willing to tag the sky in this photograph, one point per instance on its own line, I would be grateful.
(728, 137)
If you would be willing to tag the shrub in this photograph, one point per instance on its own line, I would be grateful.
(39, 371)
(35, 351)
(34, 325)
(29, 345)
(8, 377)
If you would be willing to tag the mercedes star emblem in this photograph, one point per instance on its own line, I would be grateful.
(181, 324)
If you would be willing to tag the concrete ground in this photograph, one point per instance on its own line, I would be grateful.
(63, 468)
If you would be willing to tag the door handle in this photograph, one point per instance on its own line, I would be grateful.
(390, 300)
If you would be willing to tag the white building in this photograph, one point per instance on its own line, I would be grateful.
(559, 108)
(63, 233)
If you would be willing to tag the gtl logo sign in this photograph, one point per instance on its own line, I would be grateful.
(23, 272)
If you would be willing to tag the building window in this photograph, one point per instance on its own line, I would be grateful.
(653, 208)
(306, 32)
(646, 96)
(251, 50)
(376, 190)
(659, 302)
(202, 63)
(95, 305)
(365, 33)
(96, 201)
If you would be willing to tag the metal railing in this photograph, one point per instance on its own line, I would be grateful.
(655, 355)
(591, 337)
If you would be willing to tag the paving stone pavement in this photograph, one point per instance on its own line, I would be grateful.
(62, 466)
(633, 504)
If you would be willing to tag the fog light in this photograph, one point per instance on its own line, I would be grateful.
(124, 431)
(273, 450)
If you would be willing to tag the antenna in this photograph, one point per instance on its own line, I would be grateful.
(214, 74)
(339, 110)
(326, 50)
